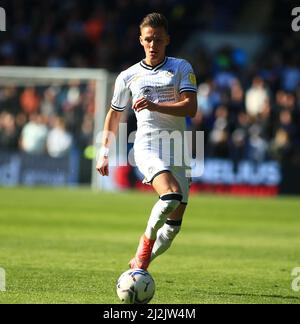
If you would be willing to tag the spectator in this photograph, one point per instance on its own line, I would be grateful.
(284, 100)
(94, 27)
(256, 97)
(263, 121)
(85, 137)
(29, 101)
(219, 135)
(49, 101)
(258, 146)
(59, 141)
(34, 135)
(207, 98)
(291, 78)
(281, 148)
(198, 124)
(21, 121)
(9, 99)
(286, 123)
(239, 138)
(237, 98)
(8, 132)
(238, 145)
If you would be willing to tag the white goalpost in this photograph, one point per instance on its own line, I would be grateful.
(39, 76)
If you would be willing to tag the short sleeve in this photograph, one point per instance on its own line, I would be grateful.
(187, 78)
(121, 94)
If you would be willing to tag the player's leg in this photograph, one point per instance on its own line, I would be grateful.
(168, 232)
(168, 189)
(172, 226)
(170, 195)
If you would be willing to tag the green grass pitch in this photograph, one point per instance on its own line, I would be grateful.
(71, 245)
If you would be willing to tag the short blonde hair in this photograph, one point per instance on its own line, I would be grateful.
(155, 20)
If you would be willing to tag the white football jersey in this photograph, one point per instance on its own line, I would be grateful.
(162, 83)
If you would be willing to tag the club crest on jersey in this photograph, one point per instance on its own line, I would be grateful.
(149, 93)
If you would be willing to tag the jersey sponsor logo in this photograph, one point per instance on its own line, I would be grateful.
(170, 73)
(158, 94)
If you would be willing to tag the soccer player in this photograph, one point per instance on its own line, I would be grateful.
(163, 94)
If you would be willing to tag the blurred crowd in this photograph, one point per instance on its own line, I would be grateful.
(78, 33)
(47, 120)
(249, 123)
(249, 108)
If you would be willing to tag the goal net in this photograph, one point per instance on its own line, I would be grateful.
(34, 102)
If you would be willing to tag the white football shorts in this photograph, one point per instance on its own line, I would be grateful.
(150, 165)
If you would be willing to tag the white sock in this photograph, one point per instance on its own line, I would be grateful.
(165, 237)
(166, 205)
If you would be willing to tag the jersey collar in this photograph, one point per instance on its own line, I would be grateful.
(154, 68)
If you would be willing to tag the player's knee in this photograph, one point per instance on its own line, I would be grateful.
(171, 202)
(166, 205)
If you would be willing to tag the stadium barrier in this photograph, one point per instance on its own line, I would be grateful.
(226, 177)
(220, 176)
(30, 170)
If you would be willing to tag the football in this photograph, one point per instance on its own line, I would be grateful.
(135, 286)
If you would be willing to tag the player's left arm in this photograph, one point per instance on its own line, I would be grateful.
(185, 107)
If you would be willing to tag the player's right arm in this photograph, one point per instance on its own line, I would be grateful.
(110, 131)
(119, 102)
